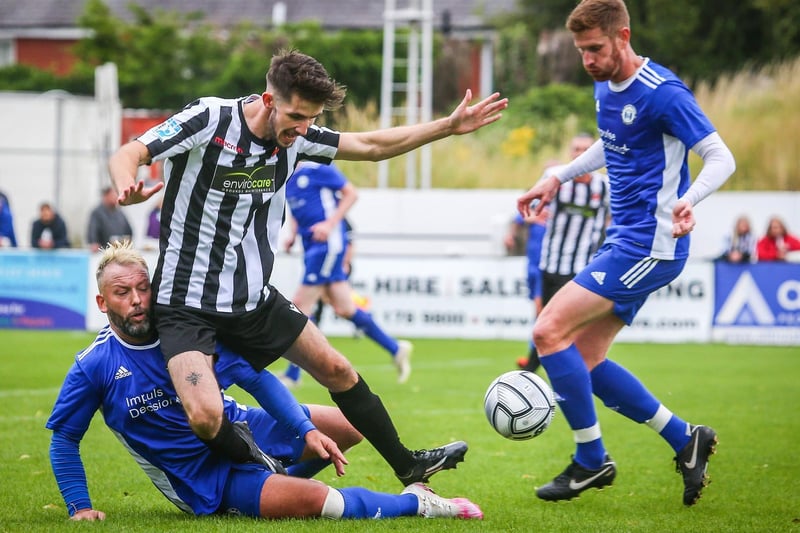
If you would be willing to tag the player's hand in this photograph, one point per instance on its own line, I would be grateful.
(137, 193)
(682, 219)
(538, 218)
(540, 195)
(321, 230)
(467, 118)
(88, 514)
(326, 448)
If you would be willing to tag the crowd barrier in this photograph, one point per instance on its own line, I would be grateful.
(447, 297)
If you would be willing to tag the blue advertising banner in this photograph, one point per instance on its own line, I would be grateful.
(43, 289)
(758, 303)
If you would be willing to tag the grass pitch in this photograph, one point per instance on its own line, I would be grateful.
(748, 394)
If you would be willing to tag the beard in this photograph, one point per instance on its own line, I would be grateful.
(141, 330)
(613, 67)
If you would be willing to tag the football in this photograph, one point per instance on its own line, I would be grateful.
(519, 405)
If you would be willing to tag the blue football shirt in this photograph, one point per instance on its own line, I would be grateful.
(647, 125)
(131, 386)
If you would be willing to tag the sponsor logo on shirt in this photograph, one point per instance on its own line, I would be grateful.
(149, 402)
(244, 180)
(168, 129)
(219, 141)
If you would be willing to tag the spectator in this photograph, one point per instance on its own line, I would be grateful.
(777, 243)
(154, 221)
(49, 231)
(7, 236)
(107, 223)
(740, 246)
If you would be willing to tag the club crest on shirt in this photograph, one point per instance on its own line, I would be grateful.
(628, 114)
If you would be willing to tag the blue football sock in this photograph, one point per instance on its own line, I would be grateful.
(621, 391)
(307, 469)
(292, 372)
(573, 387)
(365, 323)
(363, 503)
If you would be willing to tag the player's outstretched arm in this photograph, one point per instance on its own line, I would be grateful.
(70, 475)
(123, 166)
(383, 144)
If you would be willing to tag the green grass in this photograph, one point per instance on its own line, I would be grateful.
(748, 394)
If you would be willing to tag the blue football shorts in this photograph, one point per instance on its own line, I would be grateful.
(627, 279)
(534, 283)
(323, 264)
(242, 492)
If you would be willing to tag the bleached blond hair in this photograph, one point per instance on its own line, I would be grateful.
(119, 253)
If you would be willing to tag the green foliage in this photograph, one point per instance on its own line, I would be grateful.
(555, 111)
(26, 78)
(516, 59)
(754, 474)
(166, 59)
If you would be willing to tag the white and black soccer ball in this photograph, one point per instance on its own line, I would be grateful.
(519, 405)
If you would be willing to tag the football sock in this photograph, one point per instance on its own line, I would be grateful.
(292, 372)
(228, 444)
(621, 391)
(365, 323)
(357, 502)
(533, 359)
(307, 469)
(316, 315)
(366, 412)
(572, 385)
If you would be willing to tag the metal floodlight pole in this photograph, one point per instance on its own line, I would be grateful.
(418, 88)
(387, 79)
(427, 88)
(412, 96)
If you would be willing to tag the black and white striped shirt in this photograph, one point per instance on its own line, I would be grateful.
(575, 226)
(223, 204)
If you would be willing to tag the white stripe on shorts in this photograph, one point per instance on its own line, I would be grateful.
(638, 271)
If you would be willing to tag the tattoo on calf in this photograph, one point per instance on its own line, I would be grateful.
(194, 378)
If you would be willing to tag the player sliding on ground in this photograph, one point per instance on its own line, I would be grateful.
(123, 373)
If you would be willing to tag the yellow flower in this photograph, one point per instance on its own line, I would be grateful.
(519, 141)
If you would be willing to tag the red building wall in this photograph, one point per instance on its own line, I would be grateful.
(54, 55)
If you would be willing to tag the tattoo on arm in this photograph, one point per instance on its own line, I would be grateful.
(194, 378)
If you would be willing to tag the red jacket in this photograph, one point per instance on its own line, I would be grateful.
(767, 249)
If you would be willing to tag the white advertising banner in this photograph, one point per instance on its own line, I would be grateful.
(472, 297)
(480, 298)
(487, 298)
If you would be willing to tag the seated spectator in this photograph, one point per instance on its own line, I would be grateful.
(740, 246)
(107, 223)
(777, 243)
(7, 236)
(49, 231)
